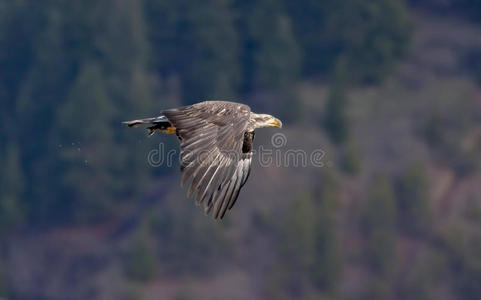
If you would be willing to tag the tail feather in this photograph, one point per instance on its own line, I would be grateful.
(154, 120)
(158, 123)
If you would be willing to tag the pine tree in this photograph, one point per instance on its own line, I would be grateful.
(309, 237)
(372, 36)
(413, 200)
(85, 67)
(12, 210)
(379, 229)
(3, 286)
(299, 238)
(40, 93)
(327, 265)
(335, 119)
(133, 87)
(141, 262)
(270, 55)
(378, 226)
(85, 119)
(198, 42)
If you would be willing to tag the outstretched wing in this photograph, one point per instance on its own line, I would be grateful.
(211, 140)
(226, 195)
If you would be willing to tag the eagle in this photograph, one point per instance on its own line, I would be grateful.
(216, 141)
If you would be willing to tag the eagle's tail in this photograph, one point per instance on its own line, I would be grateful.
(158, 123)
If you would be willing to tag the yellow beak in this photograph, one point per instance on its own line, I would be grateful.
(275, 123)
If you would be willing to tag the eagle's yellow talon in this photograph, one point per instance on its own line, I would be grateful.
(170, 130)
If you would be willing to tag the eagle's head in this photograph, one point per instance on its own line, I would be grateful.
(265, 120)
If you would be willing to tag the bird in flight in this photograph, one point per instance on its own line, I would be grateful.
(216, 141)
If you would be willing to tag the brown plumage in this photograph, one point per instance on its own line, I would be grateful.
(216, 142)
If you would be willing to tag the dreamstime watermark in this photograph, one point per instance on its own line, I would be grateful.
(278, 155)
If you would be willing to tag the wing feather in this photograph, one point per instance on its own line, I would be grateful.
(219, 202)
(212, 135)
(246, 168)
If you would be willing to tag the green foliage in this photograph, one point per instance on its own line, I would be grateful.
(433, 130)
(413, 200)
(310, 253)
(378, 227)
(378, 224)
(270, 58)
(181, 228)
(477, 75)
(449, 131)
(70, 71)
(197, 41)
(335, 119)
(299, 234)
(3, 286)
(471, 8)
(133, 292)
(70, 74)
(371, 36)
(291, 275)
(12, 182)
(463, 245)
(141, 261)
(85, 73)
(428, 270)
(327, 266)
(85, 117)
(472, 63)
(351, 159)
(473, 209)
(377, 288)
(375, 35)
(185, 295)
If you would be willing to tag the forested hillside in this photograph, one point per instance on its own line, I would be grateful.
(388, 89)
(72, 71)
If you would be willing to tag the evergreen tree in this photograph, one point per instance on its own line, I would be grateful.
(41, 92)
(134, 90)
(12, 210)
(141, 262)
(327, 265)
(198, 42)
(85, 68)
(413, 200)
(335, 118)
(378, 226)
(371, 35)
(299, 238)
(270, 57)
(374, 36)
(3, 286)
(379, 229)
(310, 254)
(308, 20)
(85, 119)
(462, 242)
(351, 158)
(181, 228)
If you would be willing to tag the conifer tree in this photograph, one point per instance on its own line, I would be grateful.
(379, 227)
(270, 56)
(12, 208)
(335, 120)
(85, 120)
(371, 36)
(327, 265)
(198, 42)
(413, 200)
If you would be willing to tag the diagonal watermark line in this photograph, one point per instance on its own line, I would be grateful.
(278, 155)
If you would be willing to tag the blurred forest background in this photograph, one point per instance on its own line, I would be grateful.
(389, 89)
